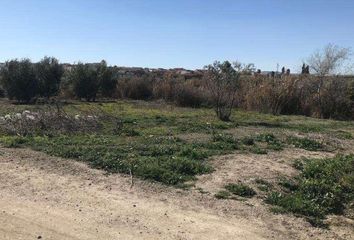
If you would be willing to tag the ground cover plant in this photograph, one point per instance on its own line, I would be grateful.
(143, 139)
(324, 186)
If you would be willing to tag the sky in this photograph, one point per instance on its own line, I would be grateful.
(174, 33)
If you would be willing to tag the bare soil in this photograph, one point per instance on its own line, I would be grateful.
(43, 197)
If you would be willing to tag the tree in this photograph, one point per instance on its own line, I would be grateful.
(222, 80)
(49, 73)
(324, 62)
(107, 81)
(19, 80)
(85, 81)
(328, 60)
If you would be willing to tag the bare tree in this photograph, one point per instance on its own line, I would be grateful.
(325, 62)
(328, 60)
(222, 80)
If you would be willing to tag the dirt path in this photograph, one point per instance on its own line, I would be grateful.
(44, 197)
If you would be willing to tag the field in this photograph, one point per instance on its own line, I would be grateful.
(150, 170)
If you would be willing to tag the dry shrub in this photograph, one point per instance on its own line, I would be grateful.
(189, 96)
(138, 88)
(327, 97)
(165, 87)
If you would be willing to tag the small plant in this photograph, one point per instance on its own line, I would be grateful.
(258, 150)
(272, 142)
(240, 190)
(263, 185)
(223, 194)
(249, 141)
(305, 143)
(299, 163)
(344, 135)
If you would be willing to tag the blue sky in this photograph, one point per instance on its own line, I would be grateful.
(178, 33)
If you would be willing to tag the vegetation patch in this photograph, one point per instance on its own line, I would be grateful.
(305, 143)
(272, 142)
(222, 194)
(324, 186)
(263, 185)
(240, 190)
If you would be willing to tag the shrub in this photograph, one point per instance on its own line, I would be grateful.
(188, 96)
(240, 190)
(138, 88)
(19, 80)
(222, 81)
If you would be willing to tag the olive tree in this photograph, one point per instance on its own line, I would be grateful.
(222, 81)
(107, 80)
(49, 73)
(19, 80)
(84, 80)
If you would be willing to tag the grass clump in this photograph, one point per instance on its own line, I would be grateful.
(323, 187)
(240, 190)
(257, 150)
(263, 185)
(305, 143)
(223, 194)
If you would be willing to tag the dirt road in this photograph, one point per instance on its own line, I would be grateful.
(44, 197)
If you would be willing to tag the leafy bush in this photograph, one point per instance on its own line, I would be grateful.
(240, 190)
(222, 81)
(323, 187)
